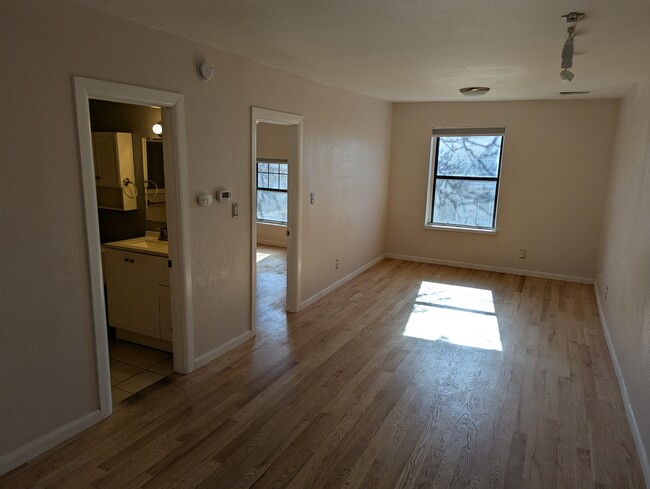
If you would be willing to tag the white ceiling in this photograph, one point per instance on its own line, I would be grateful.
(415, 50)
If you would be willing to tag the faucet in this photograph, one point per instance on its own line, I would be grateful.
(163, 233)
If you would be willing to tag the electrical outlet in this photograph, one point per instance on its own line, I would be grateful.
(337, 264)
(522, 254)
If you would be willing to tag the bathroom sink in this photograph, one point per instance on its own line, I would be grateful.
(145, 244)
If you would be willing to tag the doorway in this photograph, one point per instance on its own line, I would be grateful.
(175, 170)
(275, 187)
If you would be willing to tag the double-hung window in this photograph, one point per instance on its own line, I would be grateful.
(272, 185)
(464, 178)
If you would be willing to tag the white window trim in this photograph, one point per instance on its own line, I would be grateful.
(456, 229)
(460, 131)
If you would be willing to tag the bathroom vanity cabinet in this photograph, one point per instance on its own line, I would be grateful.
(138, 292)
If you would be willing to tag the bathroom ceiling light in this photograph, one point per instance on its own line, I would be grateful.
(474, 91)
(157, 128)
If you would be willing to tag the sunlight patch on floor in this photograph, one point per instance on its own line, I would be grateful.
(460, 315)
(261, 256)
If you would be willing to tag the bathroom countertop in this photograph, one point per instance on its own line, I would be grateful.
(145, 244)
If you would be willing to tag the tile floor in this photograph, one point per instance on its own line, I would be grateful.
(135, 367)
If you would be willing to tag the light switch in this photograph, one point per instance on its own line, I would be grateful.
(312, 198)
(235, 210)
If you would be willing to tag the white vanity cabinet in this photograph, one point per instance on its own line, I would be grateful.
(114, 171)
(139, 305)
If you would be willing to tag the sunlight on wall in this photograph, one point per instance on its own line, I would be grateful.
(460, 315)
(261, 256)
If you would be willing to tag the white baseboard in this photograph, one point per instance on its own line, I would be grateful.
(490, 268)
(338, 283)
(50, 440)
(636, 434)
(220, 350)
(269, 242)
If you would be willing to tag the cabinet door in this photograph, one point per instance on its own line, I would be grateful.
(105, 154)
(132, 292)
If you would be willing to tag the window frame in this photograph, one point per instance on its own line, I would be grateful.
(270, 189)
(432, 181)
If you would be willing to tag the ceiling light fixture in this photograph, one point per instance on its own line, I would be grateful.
(157, 128)
(474, 91)
(571, 21)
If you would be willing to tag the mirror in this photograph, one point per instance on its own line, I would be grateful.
(153, 170)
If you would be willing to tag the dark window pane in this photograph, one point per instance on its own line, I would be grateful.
(469, 156)
(272, 206)
(464, 203)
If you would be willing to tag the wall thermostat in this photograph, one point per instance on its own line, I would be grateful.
(204, 200)
(224, 195)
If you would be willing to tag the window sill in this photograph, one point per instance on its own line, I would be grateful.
(434, 227)
(273, 223)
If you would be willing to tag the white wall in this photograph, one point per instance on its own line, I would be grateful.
(554, 176)
(47, 336)
(272, 234)
(272, 141)
(623, 284)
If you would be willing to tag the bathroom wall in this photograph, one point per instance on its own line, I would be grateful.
(135, 119)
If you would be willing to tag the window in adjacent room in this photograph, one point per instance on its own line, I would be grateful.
(464, 178)
(272, 185)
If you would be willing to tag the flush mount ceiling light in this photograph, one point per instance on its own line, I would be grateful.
(571, 21)
(474, 91)
(157, 128)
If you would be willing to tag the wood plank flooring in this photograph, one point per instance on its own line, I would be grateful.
(337, 396)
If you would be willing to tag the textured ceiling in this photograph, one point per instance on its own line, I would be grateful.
(413, 50)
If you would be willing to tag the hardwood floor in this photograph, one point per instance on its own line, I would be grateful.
(348, 394)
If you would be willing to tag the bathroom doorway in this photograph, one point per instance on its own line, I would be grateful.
(130, 184)
(276, 161)
(154, 286)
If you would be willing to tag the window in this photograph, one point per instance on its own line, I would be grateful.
(464, 178)
(272, 185)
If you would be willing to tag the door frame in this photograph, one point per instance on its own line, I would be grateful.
(294, 259)
(173, 117)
